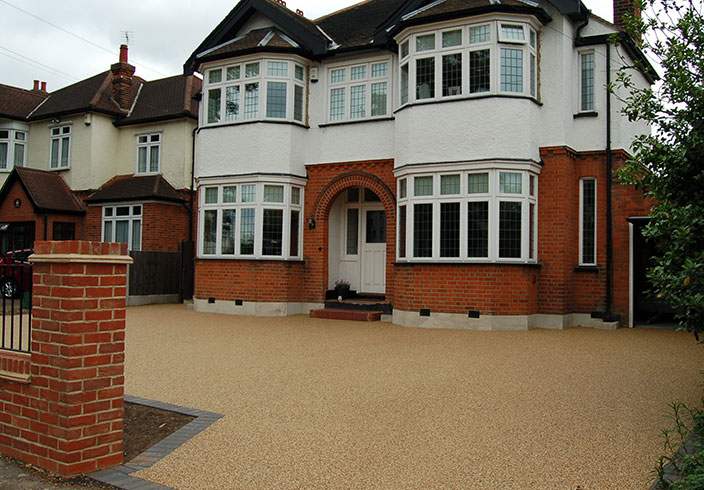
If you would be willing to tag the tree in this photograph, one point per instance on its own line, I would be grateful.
(668, 164)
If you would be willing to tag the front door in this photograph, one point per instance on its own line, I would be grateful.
(373, 256)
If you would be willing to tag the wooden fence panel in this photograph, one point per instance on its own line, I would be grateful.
(154, 273)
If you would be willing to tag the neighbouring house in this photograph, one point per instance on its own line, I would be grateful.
(120, 146)
(456, 157)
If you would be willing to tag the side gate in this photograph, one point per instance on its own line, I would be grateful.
(16, 305)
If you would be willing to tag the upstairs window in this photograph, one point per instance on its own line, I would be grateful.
(60, 153)
(359, 91)
(586, 79)
(459, 62)
(255, 90)
(13, 148)
(148, 153)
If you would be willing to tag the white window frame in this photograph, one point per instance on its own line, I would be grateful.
(262, 78)
(109, 214)
(495, 43)
(61, 133)
(13, 143)
(583, 262)
(580, 81)
(259, 205)
(493, 197)
(149, 144)
(368, 82)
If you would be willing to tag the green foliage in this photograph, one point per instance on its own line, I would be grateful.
(668, 164)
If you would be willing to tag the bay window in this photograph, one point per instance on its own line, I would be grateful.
(254, 90)
(358, 91)
(485, 214)
(459, 61)
(256, 219)
(13, 147)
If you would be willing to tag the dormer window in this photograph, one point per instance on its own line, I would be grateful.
(459, 61)
(255, 90)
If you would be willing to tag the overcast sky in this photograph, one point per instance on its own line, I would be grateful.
(64, 41)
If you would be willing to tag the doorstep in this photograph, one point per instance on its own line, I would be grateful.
(353, 315)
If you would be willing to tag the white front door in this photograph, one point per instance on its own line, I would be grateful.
(373, 256)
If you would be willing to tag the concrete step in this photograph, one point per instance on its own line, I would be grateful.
(354, 315)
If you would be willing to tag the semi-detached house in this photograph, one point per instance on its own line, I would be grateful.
(454, 156)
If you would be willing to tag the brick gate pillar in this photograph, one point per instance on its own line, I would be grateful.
(77, 356)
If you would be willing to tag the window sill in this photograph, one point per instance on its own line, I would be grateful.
(460, 262)
(59, 169)
(356, 121)
(587, 268)
(146, 174)
(465, 98)
(254, 121)
(580, 115)
(254, 259)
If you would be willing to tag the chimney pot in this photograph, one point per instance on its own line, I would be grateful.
(43, 86)
(36, 85)
(123, 53)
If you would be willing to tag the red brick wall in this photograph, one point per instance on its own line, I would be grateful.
(61, 407)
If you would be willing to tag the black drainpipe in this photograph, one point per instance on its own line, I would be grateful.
(193, 168)
(609, 184)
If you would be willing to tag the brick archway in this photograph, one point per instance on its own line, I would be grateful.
(324, 201)
(326, 182)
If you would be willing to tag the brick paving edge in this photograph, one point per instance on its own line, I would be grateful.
(120, 476)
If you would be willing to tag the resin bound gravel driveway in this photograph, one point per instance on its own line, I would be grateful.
(313, 403)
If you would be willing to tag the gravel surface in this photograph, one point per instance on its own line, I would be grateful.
(313, 403)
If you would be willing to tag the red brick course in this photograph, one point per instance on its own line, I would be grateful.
(68, 416)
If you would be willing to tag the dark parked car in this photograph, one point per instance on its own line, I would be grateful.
(15, 273)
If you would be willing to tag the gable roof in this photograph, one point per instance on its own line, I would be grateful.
(124, 188)
(166, 98)
(17, 103)
(303, 31)
(47, 191)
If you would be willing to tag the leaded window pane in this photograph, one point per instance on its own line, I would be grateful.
(423, 186)
(293, 233)
(402, 188)
(215, 76)
(452, 75)
(425, 43)
(214, 105)
(510, 229)
(588, 221)
(298, 103)
(337, 104)
(251, 70)
(229, 194)
(211, 195)
(295, 195)
(451, 38)
(510, 183)
(449, 184)
(233, 73)
(423, 230)
(449, 229)
(404, 49)
(247, 232)
(276, 99)
(587, 82)
(272, 232)
(337, 76)
(478, 229)
(357, 101)
(379, 97)
(380, 70)
(479, 71)
(277, 69)
(273, 193)
(402, 231)
(232, 103)
(227, 242)
(479, 34)
(404, 83)
(425, 78)
(511, 70)
(299, 72)
(478, 183)
(533, 78)
(352, 239)
(512, 33)
(251, 100)
(358, 72)
(249, 192)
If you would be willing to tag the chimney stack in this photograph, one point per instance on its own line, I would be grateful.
(621, 8)
(36, 85)
(122, 73)
(43, 86)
